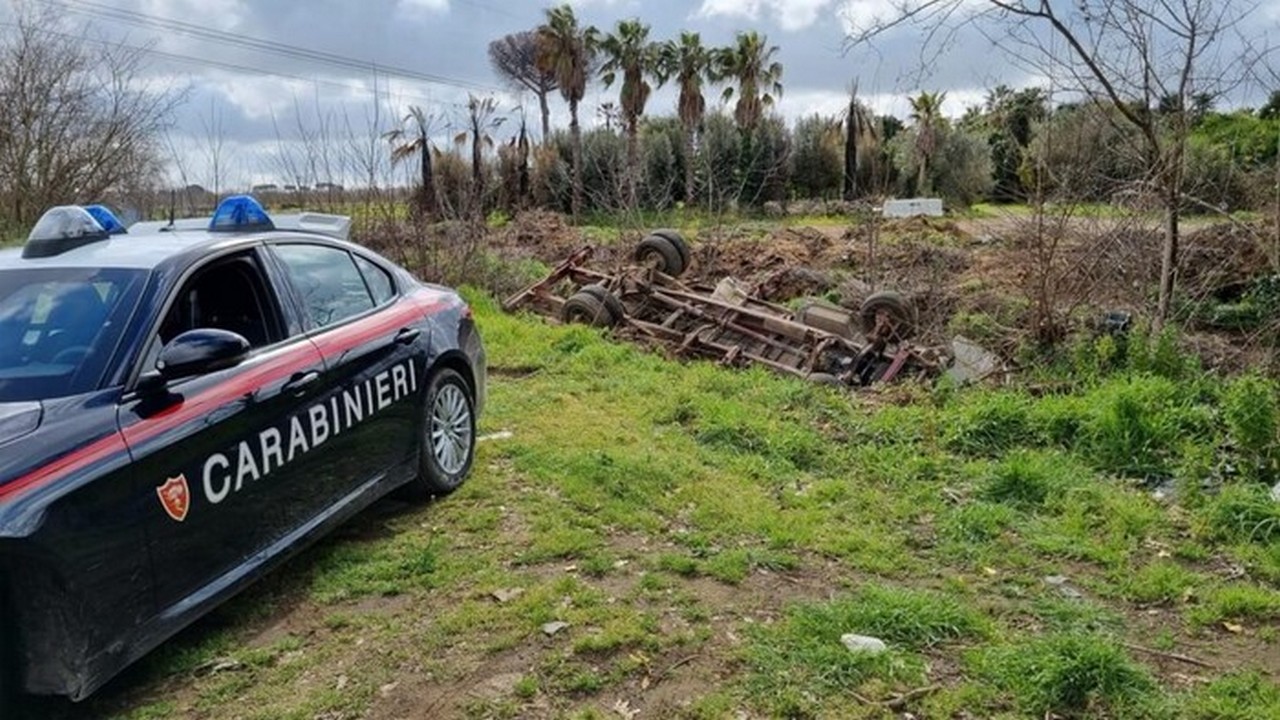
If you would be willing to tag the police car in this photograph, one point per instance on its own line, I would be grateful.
(184, 404)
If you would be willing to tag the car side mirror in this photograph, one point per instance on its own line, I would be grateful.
(201, 351)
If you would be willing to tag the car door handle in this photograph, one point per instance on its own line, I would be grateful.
(299, 383)
(406, 336)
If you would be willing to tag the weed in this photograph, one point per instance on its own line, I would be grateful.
(1238, 603)
(1242, 513)
(1028, 479)
(1253, 419)
(1070, 674)
(978, 523)
(1237, 696)
(1160, 583)
(990, 425)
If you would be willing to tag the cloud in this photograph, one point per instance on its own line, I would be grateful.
(418, 9)
(791, 15)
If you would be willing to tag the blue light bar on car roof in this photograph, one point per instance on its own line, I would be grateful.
(60, 229)
(106, 219)
(240, 213)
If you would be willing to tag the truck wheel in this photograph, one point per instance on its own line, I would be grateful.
(611, 301)
(447, 444)
(586, 308)
(900, 314)
(678, 241)
(662, 253)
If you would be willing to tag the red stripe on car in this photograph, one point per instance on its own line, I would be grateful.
(331, 345)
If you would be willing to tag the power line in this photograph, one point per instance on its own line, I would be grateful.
(236, 67)
(95, 10)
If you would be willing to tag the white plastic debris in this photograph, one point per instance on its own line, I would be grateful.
(863, 644)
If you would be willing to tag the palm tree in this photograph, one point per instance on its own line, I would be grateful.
(926, 112)
(689, 62)
(749, 63)
(628, 51)
(566, 49)
(413, 137)
(481, 121)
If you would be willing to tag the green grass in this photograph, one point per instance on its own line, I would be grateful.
(716, 531)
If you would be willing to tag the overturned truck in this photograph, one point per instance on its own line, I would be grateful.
(646, 301)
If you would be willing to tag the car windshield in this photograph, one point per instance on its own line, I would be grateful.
(59, 328)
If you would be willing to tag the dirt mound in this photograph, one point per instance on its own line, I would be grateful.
(788, 263)
(1223, 255)
(539, 234)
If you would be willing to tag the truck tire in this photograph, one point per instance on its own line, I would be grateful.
(588, 309)
(678, 241)
(662, 253)
(900, 312)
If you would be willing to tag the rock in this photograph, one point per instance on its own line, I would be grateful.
(863, 644)
(506, 595)
(551, 628)
(1061, 584)
(973, 362)
(1165, 491)
(1275, 492)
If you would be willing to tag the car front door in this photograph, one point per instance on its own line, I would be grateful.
(374, 353)
(223, 454)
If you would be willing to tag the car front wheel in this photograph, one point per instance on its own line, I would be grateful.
(448, 441)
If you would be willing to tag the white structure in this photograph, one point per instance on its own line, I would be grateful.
(913, 207)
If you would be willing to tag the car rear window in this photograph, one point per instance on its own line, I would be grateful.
(327, 281)
(59, 328)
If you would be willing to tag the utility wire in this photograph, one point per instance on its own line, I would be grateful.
(96, 10)
(237, 67)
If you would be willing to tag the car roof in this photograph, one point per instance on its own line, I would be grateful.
(140, 251)
(148, 244)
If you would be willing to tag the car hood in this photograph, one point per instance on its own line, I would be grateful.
(18, 419)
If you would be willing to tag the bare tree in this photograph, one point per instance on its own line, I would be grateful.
(78, 122)
(514, 58)
(1126, 54)
(214, 148)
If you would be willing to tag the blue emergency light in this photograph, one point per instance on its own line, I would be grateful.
(106, 219)
(240, 213)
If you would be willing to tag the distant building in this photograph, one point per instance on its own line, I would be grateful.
(266, 188)
(329, 187)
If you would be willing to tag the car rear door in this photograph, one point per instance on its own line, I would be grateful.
(374, 354)
(223, 454)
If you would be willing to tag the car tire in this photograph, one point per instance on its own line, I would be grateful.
(678, 241)
(447, 441)
(663, 254)
(611, 301)
(587, 308)
(898, 309)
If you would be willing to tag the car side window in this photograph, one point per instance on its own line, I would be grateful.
(380, 283)
(327, 280)
(229, 293)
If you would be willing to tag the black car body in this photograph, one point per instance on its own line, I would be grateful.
(184, 405)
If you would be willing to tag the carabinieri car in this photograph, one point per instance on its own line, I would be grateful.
(185, 404)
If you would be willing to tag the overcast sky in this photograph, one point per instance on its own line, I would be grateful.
(254, 98)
